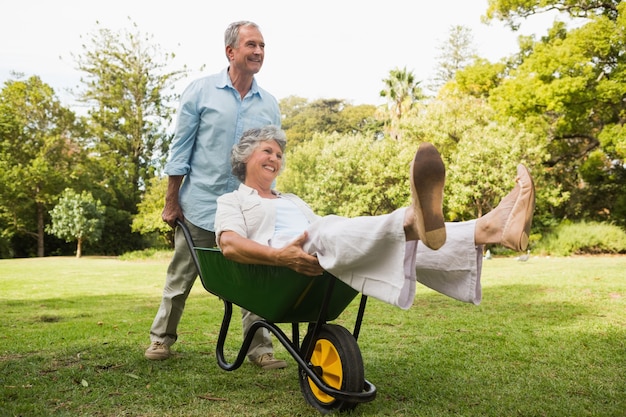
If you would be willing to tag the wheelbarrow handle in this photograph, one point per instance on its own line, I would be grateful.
(183, 227)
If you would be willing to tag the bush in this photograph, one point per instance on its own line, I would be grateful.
(583, 238)
(155, 254)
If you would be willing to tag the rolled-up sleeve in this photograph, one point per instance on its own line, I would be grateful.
(229, 216)
(185, 134)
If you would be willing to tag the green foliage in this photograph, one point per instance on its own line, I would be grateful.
(613, 140)
(148, 254)
(118, 236)
(556, 105)
(401, 89)
(148, 219)
(402, 92)
(301, 118)
(583, 238)
(484, 167)
(478, 79)
(128, 88)
(481, 155)
(446, 120)
(569, 87)
(77, 217)
(353, 175)
(457, 53)
(349, 175)
(40, 155)
(511, 11)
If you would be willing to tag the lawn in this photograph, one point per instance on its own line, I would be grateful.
(549, 339)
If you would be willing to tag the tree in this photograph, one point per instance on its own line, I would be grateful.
(129, 89)
(481, 153)
(301, 118)
(354, 175)
(483, 167)
(77, 217)
(40, 154)
(148, 219)
(478, 79)
(569, 86)
(402, 91)
(349, 174)
(456, 54)
(127, 84)
(512, 11)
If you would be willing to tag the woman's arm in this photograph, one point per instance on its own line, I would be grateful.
(243, 250)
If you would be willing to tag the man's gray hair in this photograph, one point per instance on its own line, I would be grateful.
(250, 140)
(231, 35)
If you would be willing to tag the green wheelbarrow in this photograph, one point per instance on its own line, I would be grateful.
(330, 366)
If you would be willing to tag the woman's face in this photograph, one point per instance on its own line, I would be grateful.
(265, 163)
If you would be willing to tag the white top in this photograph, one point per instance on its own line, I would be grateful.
(290, 222)
(249, 215)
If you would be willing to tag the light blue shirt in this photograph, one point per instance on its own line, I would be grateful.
(211, 119)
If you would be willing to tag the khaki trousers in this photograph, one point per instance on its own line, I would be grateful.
(180, 277)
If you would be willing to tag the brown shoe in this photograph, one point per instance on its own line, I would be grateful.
(428, 176)
(521, 199)
(267, 361)
(158, 351)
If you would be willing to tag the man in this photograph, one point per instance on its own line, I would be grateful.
(214, 112)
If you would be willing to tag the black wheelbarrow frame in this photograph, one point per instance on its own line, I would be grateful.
(281, 295)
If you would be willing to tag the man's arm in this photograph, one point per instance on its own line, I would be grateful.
(172, 210)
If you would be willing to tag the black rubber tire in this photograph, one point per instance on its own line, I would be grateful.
(337, 358)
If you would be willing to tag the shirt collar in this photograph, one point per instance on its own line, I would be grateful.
(249, 190)
(225, 82)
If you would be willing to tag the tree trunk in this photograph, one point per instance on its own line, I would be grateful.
(40, 232)
(79, 248)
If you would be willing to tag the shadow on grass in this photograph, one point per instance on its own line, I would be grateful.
(516, 354)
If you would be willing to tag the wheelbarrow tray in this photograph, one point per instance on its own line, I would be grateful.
(278, 294)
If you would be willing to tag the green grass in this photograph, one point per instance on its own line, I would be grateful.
(549, 339)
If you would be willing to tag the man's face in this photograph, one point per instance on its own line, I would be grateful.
(249, 54)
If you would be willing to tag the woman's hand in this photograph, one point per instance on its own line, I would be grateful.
(244, 250)
(294, 257)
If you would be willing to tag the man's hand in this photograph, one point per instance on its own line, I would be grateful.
(172, 210)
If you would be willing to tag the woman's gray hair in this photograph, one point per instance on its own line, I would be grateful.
(250, 140)
(231, 35)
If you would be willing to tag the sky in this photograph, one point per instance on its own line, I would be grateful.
(340, 49)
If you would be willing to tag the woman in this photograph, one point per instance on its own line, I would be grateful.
(377, 255)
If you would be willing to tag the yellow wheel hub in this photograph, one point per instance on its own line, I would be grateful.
(326, 357)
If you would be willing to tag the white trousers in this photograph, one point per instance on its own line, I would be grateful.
(371, 255)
